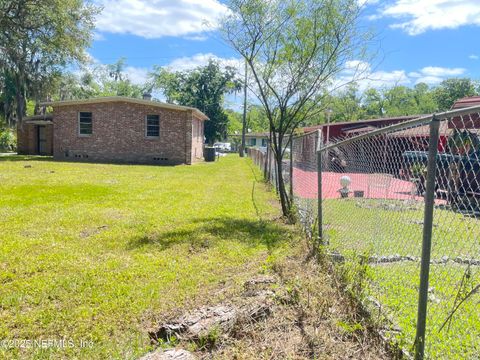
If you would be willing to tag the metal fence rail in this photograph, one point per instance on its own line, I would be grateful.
(399, 214)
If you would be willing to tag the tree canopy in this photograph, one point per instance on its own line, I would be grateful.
(204, 88)
(98, 80)
(37, 39)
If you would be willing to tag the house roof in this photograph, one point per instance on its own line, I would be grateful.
(466, 121)
(421, 131)
(359, 130)
(466, 102)
(109, 99)
(359, 123)
(45, 119)
(424, 131)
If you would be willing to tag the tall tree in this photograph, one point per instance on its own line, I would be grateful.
(424, 99)
(203, 88)
(98, 80)
(373, 103)
(293, 49)
(346, 104)
(399, 100)
(38, 38)
(451, 90)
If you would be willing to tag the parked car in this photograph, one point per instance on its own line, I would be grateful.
(457, 176)
(223, 147)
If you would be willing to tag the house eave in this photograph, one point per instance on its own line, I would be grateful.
(110, 99)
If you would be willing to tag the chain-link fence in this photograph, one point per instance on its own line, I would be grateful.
(400, 217)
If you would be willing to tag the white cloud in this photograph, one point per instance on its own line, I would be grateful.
(196, 38)
(137, 75)
(366, 2)
(417, 16)
(98, 36)
(362, 73)
(191, 62)
(473, 57)
(433, 75)
(441, 71)
(357, 66)
(429, 80)
(159, 18)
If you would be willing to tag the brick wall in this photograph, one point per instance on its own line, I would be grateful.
(27, 138)
(49, 138)
(197, 139)
(119, 134)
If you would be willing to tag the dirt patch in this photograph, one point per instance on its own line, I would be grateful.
(92, 231)
(296, 313)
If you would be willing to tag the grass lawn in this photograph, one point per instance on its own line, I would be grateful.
(384, 228)
(97, 253)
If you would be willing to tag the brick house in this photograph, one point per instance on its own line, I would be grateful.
(35, 137)
(118, 129)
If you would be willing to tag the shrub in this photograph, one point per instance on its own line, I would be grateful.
(8, 140)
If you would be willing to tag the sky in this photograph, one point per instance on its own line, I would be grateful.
(416, 40)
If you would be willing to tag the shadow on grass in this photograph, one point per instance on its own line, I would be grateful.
(15, 157)
(209, 230)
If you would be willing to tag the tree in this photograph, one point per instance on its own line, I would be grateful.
(424, 99)
(99, 80)
(113, 81)
(451, 90)
(293, 49)
(346, 104)
(203, 88)
(38, 38)
(399, 101)
(373, 103)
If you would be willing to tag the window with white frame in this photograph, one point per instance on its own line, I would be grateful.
(85, 123)
(152, 127)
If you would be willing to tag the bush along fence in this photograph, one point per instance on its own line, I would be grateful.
(398, 211)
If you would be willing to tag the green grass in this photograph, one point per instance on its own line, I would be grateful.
(382, 228)
(97, 253)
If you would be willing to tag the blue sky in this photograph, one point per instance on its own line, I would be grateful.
(419, 40)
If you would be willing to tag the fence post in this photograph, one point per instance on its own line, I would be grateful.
(267, 165)
(291, 167)
(319, 187)
(270, 174)
(427, 239)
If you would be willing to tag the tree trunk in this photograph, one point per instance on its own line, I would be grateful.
(20, 99)
(282, 191)
(244, 118)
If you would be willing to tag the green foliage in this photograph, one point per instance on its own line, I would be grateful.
(256, 120)
(350, 104)
(101, 80)
(8, 140)
(209, 340)
(203, 88)
(234, 122)
(463, 142)
(346, 105)
(39, 38)
(418, 170)
(451, 90)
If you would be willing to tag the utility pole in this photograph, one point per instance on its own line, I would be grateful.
(329, 112)
(244, 120)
